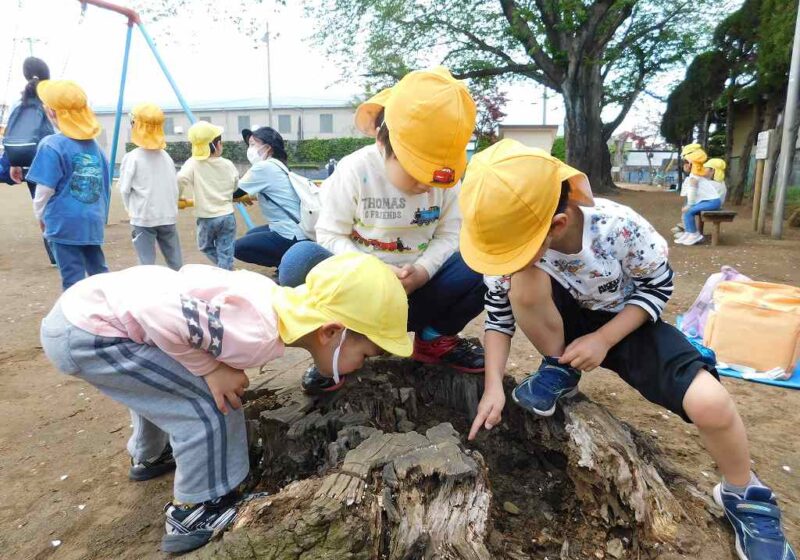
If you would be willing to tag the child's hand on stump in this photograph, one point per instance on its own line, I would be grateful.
(490, 410)
(226, 383)
(587, 352)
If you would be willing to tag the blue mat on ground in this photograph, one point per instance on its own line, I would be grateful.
(792, 383)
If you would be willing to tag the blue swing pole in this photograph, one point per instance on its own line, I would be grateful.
(120, 100)
(245, 216)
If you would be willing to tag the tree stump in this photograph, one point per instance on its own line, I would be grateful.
(377, 470)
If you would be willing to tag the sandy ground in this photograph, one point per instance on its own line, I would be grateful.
(63, 464)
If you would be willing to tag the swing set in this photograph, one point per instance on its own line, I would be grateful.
(133, 19)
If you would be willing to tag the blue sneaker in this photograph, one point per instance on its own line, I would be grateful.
(756, 522)
(540, 391)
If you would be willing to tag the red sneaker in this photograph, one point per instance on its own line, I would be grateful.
(453, 351)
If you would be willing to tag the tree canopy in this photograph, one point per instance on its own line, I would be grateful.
(694, 98)
(599, 54)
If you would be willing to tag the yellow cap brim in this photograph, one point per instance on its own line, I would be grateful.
(298, 318)
(422, 170)
(580, 190)
(368, 111)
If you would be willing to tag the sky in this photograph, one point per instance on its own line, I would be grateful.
(209, 60)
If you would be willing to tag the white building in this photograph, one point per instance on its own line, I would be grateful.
(295, 119)
(533, 135)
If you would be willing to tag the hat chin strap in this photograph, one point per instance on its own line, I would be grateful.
(336, 357)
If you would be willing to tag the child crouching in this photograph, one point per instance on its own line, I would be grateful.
(172, 347)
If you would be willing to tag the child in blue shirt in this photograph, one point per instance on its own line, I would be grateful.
(72, 192)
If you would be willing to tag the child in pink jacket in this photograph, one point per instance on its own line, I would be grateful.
(172, 347)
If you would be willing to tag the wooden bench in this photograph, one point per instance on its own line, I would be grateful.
(716, 217)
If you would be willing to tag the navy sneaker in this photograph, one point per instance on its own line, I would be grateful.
(756, 522)
(314, 383)
(152, 468)
(540, 391)
(190, 527)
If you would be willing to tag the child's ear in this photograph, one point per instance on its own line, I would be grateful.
(558, 225)
(328, 332)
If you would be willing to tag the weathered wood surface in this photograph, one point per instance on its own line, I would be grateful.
(376, 471)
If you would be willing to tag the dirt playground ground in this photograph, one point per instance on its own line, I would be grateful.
(63, 464)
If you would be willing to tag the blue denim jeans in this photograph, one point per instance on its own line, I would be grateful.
(262, 246)
(689, 223)
(76, 262)
(216, 238)
(450, 300)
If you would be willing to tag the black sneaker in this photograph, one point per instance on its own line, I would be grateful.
(190, 527)
(152, 468)
(314, 383)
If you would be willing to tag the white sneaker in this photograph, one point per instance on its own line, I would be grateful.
(693, 239)
(679, 239)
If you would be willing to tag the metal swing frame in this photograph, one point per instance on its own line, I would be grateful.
(134, 20)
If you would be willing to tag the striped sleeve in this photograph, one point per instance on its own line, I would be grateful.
(653, 292)
(499, 316)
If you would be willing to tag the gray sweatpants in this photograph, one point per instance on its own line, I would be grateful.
(167, 402)
(144, 241)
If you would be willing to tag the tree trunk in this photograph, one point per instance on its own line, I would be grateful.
(586, 142)
(373, 472)
(729, 124)
(737, 193)
(702, 131)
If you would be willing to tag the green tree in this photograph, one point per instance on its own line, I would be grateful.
(756, 40)
(598, 54)
(691, 102)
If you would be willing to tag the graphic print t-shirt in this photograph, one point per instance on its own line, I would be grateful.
(362, 211)
(78, 172)
(623, 261)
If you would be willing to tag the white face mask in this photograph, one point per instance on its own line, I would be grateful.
(253, 154)
(336, 357)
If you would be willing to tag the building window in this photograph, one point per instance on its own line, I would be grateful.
(285, 124)
(169, 126)
(326, 123)
(244, 122)
(207, 119)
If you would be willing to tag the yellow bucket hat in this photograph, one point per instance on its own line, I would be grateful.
(695, 154)
(75, 119)
(200, 135)
(431, 118)
(147, 126)
(689, 148)
(508, 200)
(719, 166)
(354, 289)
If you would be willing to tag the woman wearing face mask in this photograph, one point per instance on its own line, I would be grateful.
(265, 245)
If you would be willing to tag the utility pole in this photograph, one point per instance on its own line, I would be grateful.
(31, 41)
(544, 105)
(269, 74)
(787, 144)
